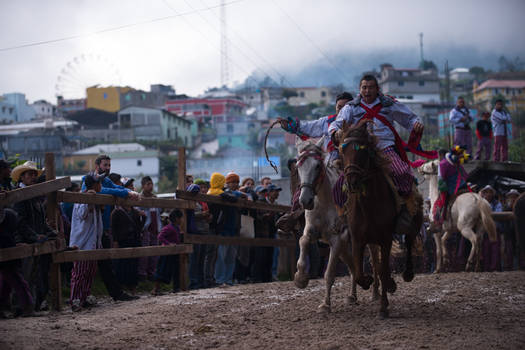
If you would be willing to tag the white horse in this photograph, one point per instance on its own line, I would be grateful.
(322, 220)
(470, 215)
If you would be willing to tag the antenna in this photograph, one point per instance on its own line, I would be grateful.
(422, 60)
(225, 69)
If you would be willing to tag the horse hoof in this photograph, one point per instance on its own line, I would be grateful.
(392, 286)
(408, 275)
(300, 281)
(365, 282)
(351, 300)
(383, 314)
(323, 309)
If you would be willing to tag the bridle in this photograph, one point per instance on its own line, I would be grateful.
(322, 173)
(353, 170)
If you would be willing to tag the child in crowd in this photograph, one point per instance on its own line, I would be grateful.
(168, 265)
(484, 135)
(86, 234)
(152, 226)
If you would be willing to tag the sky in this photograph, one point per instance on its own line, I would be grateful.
(177, 42)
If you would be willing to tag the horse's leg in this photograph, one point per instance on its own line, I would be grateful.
(346, 257)
(374, 254)
(408, 274)
(301, 277)
(471, 236)
(357, 252)
(386, 280)
(439, 254)
(444, 251)
(329, 275)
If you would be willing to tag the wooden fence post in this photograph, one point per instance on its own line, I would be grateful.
(52, 213)
(181, 185)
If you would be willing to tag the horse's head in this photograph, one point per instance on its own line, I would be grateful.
(429, 168)
(357, 146)
(310, 168)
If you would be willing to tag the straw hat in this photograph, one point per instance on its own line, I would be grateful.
(19, 170)
(488, 188)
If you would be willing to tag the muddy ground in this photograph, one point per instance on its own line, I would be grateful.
(453, 311)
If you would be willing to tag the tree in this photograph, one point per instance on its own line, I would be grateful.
(510, 65)
(426, 65)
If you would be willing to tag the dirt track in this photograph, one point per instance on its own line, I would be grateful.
(455, 310)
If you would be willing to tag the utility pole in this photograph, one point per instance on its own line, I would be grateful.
(225, 67)
(447, 83)
(421, 58)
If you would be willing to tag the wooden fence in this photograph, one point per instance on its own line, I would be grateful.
(57, 247)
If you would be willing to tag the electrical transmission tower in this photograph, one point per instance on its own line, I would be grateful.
(225, 67)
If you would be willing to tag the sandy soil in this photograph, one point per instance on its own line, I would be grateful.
(454, 311)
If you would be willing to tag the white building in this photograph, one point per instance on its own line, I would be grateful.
(457, 74)
(44, 109)
(22, 110)
(410, 83)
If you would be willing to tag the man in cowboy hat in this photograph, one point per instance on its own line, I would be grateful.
(32, 228)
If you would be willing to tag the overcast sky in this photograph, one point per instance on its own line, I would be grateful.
(183, 50)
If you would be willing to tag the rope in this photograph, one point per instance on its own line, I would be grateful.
(272, 164)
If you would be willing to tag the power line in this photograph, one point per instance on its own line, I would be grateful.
(332, 63)
(281, 76)
(111, 29)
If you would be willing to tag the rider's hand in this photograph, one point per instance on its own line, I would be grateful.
(284, 123)
(418, 127)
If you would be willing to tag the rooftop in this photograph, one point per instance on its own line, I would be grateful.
(493, 83)
(112, 148)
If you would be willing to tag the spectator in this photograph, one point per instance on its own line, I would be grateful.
(509, 241)
(11, 277)
(67, 208)
(33, 228)
(226, 254)
(203, 185)
(189, 180)
(168, 265)
(152, 227)
(500, 117)
(86, 234)
(484, 135)
(209, 250)
(247, 186)
(105, 269)
(265, 181)
(5, 175)
(115, 178)
(460, 118)
(491, 250)
(200, 225)
(128, 183)
(126, 227)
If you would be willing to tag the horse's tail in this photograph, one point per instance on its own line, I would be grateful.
(486, 219)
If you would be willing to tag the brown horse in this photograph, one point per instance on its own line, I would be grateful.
(371, 206)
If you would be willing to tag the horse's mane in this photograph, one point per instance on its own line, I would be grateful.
(310, 146)
(360, 130)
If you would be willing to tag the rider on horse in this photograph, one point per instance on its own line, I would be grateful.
(452, 178)
(383, 111)
(306, 129)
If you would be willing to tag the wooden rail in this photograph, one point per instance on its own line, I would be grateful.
(241, 241)
(240, 203)
(35, 249)
(503, 216)
(105, 199)
(121, 253)
(37, 190)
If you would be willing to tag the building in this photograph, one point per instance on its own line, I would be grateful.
(68, 106)
(115, 98)
(214, 110)
(307, 95)
(157, 124)
(410, 83)
(7, 111)
(512, 90)
(22, 111)
(127, 159)
(44, 109)
(166, 90)
(236, 133)
(461, 74)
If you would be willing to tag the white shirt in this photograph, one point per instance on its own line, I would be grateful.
(86, 228)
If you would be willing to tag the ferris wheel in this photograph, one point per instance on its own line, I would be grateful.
(85, 71)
